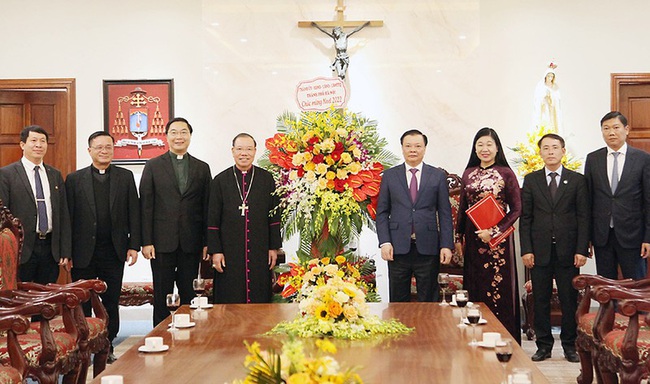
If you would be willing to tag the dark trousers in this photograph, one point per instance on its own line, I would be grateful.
(612, 255)
(106, 266)
(542, 278)
(40, 267)
(167, 268)
(425, 269)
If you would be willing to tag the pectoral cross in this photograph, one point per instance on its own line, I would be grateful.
(243, 208)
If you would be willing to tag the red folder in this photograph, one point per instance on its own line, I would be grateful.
(486, 214)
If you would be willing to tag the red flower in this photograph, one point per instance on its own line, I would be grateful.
(317, 159)
(313, 140)
(339, 184)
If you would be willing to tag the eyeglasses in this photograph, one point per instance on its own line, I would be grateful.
(102, 148)
(183, 133)
(244, 149)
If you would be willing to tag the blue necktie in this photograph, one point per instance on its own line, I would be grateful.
(40, 202)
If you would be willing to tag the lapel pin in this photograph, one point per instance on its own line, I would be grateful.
(566, 181)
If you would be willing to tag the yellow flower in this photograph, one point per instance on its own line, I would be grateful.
(297, 159)
(329, 160)
(299, 378)
(340, 259)
(321, 168)
(310, 176)
(321, 312)
(325, 260)
(354, 168)
(341, 174)
(293, 175)
(330, 175)
(322, 183)
(326, 346)
(356, 152)
(346, 157)
(327, 145)
(308, 156)
(334, 309)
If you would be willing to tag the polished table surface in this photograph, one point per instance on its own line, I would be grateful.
(213, 351)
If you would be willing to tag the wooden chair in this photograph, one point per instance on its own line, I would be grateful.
(14, 372)
(46, 354)
(91, 333)
(624, 352)
(593, 326)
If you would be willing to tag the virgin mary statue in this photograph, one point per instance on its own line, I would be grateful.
(547, 110)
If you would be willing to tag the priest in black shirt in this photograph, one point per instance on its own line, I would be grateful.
(243, 228)
(105, 218)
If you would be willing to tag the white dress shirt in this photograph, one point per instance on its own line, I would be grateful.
(29, 169)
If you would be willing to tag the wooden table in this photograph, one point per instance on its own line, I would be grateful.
(213, 350)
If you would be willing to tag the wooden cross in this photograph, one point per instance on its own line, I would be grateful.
(243, 208)
(340, 20)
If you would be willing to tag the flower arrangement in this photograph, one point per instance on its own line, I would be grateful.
(528, 159)
(294, 366)
(328, 169)
(333, 304)
(299, 277)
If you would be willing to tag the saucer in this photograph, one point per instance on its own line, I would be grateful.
(480, 322)
(144, 348)
(208, 306)
(483, 344)
(454, 304)
(188, 325)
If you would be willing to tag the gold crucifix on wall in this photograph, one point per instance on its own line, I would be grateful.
(342, 60)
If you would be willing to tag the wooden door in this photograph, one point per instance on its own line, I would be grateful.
(49, 103)
(631, 97)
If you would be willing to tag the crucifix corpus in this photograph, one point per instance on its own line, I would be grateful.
(342, 60)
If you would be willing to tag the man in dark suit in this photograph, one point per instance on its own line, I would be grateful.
(554, 234)
(414, 223)
(618, 177)
(174, 192)
(105, 216)
(35, 193)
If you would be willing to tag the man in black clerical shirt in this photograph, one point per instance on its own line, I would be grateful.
(105, 217)
(243, 228)
(174, 192)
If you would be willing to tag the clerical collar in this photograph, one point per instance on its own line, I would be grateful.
(100, 171)
(177, 157)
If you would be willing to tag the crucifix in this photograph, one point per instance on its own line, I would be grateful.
(342, 60)
(243, 208)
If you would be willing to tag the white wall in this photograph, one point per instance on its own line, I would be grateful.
(416, 71)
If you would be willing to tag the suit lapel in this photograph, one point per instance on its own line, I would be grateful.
(601, 168)
(87, 185)
(425, 179)
(540, 179)
(54, 190)
(114, 182)
(403, 181)
(169, 168)
(190, 172)
(562, 185)
(630, 164)
(22, 175)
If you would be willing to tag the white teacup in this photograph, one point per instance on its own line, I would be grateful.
(153, 343)
(112, 379)
(490, 339)
(182, 319)
(200, 301)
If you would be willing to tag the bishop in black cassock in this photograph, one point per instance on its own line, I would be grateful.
(243, 231)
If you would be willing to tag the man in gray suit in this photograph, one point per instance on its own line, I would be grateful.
(414, 224)
(618, 177)
(35, 193)
(554, 234)
(105, 215)
(174, 192)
